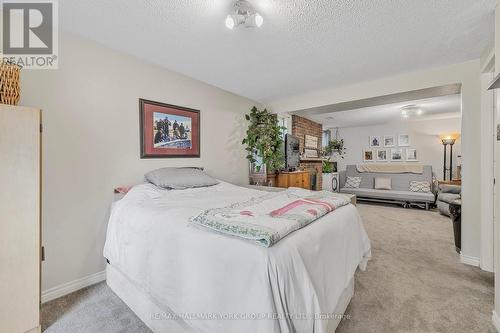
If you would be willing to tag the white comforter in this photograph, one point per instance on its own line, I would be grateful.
(202, 275)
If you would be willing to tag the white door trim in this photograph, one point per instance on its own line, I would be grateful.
(487, 173)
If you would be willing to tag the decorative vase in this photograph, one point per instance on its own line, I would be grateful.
(9, 83)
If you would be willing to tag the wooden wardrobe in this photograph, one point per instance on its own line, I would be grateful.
(20, 250)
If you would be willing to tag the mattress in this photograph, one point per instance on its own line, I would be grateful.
(219, 283)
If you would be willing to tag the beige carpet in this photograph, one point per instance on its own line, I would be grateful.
(414, 283)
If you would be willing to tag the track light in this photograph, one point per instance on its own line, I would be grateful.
(244, 15)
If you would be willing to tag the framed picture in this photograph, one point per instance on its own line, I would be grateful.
(396, 154)
(389, 141)
(368, 155)
(404, 140)
(375, 141)
(168, 130)
(382, 155)
(311, 153)
(411, 155)
(310, 141)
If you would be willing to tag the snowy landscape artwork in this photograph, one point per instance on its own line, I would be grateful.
(171, 131)
(168, 130)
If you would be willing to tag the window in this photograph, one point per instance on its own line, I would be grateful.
(327, 136)
(284, 122)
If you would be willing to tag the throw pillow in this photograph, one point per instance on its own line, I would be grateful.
(383, 183)
(352, 182)
(420, 186)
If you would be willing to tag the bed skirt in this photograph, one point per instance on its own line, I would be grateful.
(154, 316)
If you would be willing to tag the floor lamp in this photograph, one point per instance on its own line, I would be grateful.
(448, 140)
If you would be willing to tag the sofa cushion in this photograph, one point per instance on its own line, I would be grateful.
(455, 189)
(420, 186)
(383, 183)
(390, 195)
(447, 197)
(353, 182)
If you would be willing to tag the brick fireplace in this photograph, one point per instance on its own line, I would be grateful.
(300, 128)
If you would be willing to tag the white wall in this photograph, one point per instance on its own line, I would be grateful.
(496, 313)
(424, 136)
(91, 143)
(468, 75)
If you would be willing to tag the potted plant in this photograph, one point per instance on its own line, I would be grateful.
(264, 140)
(334, 148)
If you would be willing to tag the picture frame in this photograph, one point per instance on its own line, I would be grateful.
(389, 140)
(382, 155)
(311, 153)
(168, 131)
(403, 140)
(375, 141)
(396, 154)
(411, 155)
(311, 141)
(368, 155)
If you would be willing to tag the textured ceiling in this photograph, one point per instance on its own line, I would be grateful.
(444, 107)
(303, 45)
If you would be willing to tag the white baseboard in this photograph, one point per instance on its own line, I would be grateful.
(496, 320)
(69, 287)
(468, 260)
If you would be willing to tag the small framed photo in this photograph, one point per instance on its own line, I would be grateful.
(396, 154)
(368, 155)
(375, 141)
(382, 155)
(404, 140)
(389, 140)
(411, 155)
(311, 153)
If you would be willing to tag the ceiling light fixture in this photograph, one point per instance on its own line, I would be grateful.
(411, 110)
(244, 15)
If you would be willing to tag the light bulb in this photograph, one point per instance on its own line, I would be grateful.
(404, 113)
(420, 112)
(230, 22)
(259, 20)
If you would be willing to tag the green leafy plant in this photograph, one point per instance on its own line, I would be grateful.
(335, 146)
(327, 167)
(264, 139)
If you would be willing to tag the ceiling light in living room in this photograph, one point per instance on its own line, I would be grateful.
(411, 110)
(244, 15)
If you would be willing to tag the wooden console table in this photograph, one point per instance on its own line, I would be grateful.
(294, 179)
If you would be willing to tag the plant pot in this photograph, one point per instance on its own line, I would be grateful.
(330, 182)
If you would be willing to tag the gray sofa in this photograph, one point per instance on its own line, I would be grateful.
(447, 194)
(400, 192)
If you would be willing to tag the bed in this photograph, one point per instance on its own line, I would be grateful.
(178, 277)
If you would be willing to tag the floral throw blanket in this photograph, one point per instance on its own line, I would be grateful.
(269, 218)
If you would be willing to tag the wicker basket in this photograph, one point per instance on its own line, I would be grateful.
(9, 83)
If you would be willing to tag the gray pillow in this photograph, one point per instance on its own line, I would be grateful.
(352, 182)
(180, 178)
(455, 189)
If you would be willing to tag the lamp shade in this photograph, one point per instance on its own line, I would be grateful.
(449, 138)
